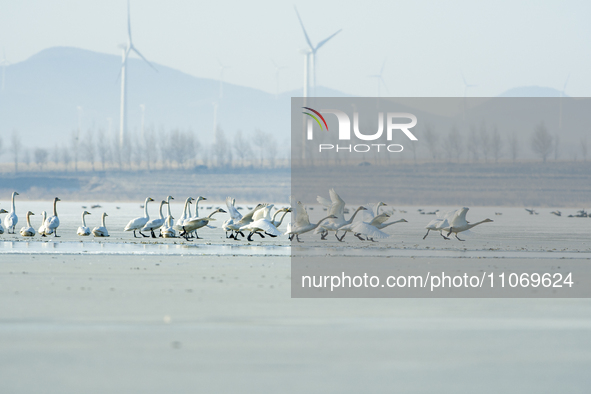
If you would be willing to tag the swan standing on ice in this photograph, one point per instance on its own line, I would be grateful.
(302, 222)
(11, 219)
(53, 222)
(83, 231)
(195, 224)
(42, 230)
(261, 224)
(28, 231)
(166, 230)
(459, 224)
(102, 230)
(2, 228)
(235, 217)
(179, 223)
(189, 218)
(246, 219)
(157, 223)
(137, 223)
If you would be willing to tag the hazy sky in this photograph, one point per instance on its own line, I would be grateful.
(497, 44)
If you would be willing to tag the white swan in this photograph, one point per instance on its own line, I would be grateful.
(28, 231)
(200, 198)
(11, 220)
(83, 231)
(440, 223)
(459, 224)
(53, 222)
(166, 230)
(2, 228)
(277, 223)
(137, 223)
(302, 222)
(195, 224)
(337, 209)
(235, 217)
(157, 223)
(179, 223)
(372, 229)
(261, 224)
(42, 230)
(246, 219)
(102, 230)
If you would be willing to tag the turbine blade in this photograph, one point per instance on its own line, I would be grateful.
(142, 56)
(463, 79)
(384, 83)
(128, 22)
(303, 28)
(321, 43)
(383, 65)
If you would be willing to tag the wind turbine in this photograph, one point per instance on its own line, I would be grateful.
(311, 56)
(466, 87)
(222, 68)
(379, 78)
(126, 52)
(4, 62)
(277, 70)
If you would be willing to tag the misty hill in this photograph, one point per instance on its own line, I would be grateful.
(43, 92)
(532, 91)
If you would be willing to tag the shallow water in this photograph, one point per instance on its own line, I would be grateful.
(513, 234)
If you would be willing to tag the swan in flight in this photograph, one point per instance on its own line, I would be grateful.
(179, 223)
(137, 223)
(337, 209)
(235, 216)
(11, 220)
(83, 231)
(261, 223)
(2, 228)
(195, 224)
(53, 222)
(441, 223)
(302, 222)
(28, 231)
(157, 223)
(459, 224)
(166, 230)
(102, 230)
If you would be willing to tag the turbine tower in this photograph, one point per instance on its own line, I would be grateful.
(222, 68)
(380, 79)
(311, 57)
(3, 63)
(466, 87)
(562, 94)
(126, 52)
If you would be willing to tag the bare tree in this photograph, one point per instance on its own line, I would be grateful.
(27, 158)
(242, 148)
(261, 143)
(75, 141)
(220, 148)
(55, 155)
(484, 137)
(15, 148)
(453, 144)
(89, 148)
(66, 158)
(116, 152)
(41, 157)
(584, 148)
(556, 147)
(542, 142)
(513, 147)
(102, 147)
(496, 144)
(271, 150)
(432, 142)
(149, 146)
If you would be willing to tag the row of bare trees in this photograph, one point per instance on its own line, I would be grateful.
(151, 149)
(485, 144)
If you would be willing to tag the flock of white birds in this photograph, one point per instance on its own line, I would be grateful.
(366, 223)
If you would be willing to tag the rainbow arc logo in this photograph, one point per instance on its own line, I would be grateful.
(315, 118)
